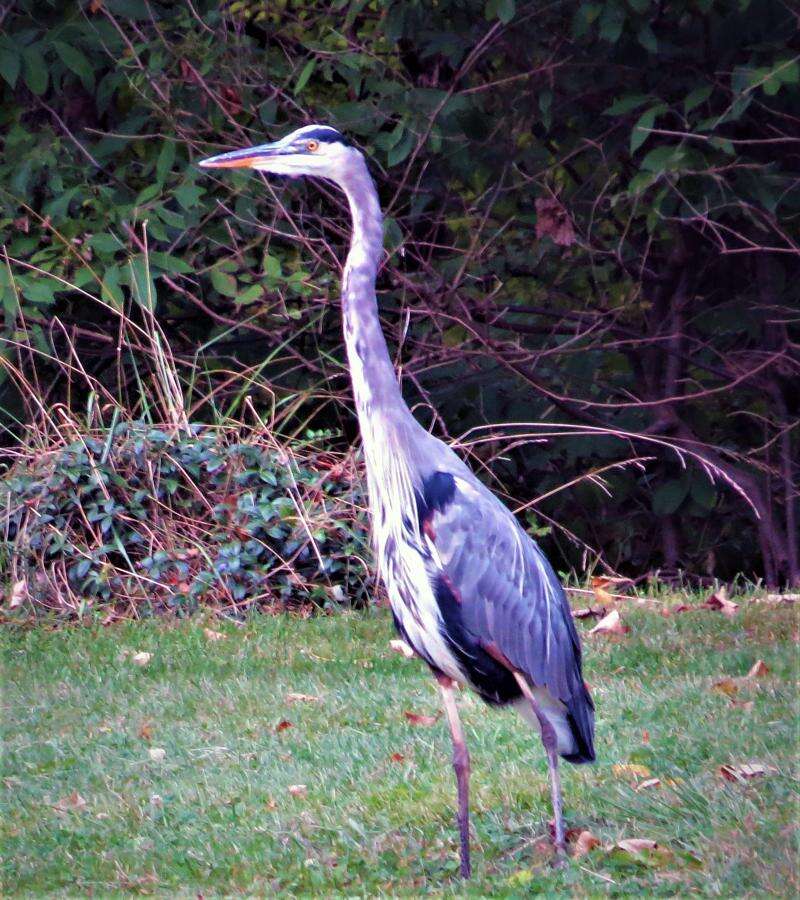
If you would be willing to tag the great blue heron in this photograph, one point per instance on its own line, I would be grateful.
(470, 592)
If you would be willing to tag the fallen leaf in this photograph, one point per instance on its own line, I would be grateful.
(648, 783)
(213, 635)
(418, 719)
(621, 770)
(636, 845)
(602, 596)
(18, 594)
(283, 725)
(758, 669)
(719, 602)
(611, 624)
(271, 804)
(725, 686)
(71, 803)
(298, 790)
(141, 658)
(587, 612)
(146, 731)
(745, 771)
(397, 757)
(680, 608)
(584, 843)
(645, 850)
(402, 647)
(158, 754)
(302, 698)
(645, 736)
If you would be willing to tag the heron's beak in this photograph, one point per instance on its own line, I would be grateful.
(248, 158)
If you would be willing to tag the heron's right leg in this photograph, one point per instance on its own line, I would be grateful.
(550, 741)
(461, 766)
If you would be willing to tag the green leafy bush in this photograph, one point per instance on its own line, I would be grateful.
(145, 519)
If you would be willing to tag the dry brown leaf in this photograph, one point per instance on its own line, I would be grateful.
(725, 686)
(627, 770)
(584, 843)
(71, 803)
(298, 790)
(587, 612)
(745, 771)
(648, 783)
(553, 221)
(141, 658)
(158, 754)
(602, 596)
(402, 647)
(680, 608)
(18, 594)
(146, 731)
(611, 624)
(397, 757)
(719, 602)
(418, 719)
(646, 851)
(758, 669)
(636, 845)
(213, 635)
(283, 725)
(303, 698)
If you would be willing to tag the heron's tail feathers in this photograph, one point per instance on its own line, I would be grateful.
(580, 715)
(573, 723)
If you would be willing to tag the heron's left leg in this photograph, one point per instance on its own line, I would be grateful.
(550, 741)
(461, 766)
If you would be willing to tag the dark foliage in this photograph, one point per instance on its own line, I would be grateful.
(136, 519)
(591, 220)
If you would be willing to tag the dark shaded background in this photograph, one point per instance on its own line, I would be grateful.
(591, 231)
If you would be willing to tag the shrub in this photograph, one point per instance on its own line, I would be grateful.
(142, 519)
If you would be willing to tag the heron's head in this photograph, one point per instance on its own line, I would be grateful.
(312, 150)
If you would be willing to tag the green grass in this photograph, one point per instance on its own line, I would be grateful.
(216, 815)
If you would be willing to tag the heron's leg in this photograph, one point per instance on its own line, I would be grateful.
(461, 766)
(550, 741)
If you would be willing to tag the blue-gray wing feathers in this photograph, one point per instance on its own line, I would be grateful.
(507, 594)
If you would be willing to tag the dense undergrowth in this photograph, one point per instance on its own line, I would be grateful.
(590, 225)
(138, 519)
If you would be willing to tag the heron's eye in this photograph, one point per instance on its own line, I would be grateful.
(312, 146)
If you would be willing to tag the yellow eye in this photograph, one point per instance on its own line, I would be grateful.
(312, 146)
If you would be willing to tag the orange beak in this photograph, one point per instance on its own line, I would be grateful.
(241, 159)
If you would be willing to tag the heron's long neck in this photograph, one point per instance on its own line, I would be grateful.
(388, 429)
(375, 386)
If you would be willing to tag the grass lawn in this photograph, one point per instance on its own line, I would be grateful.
(87, 810)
